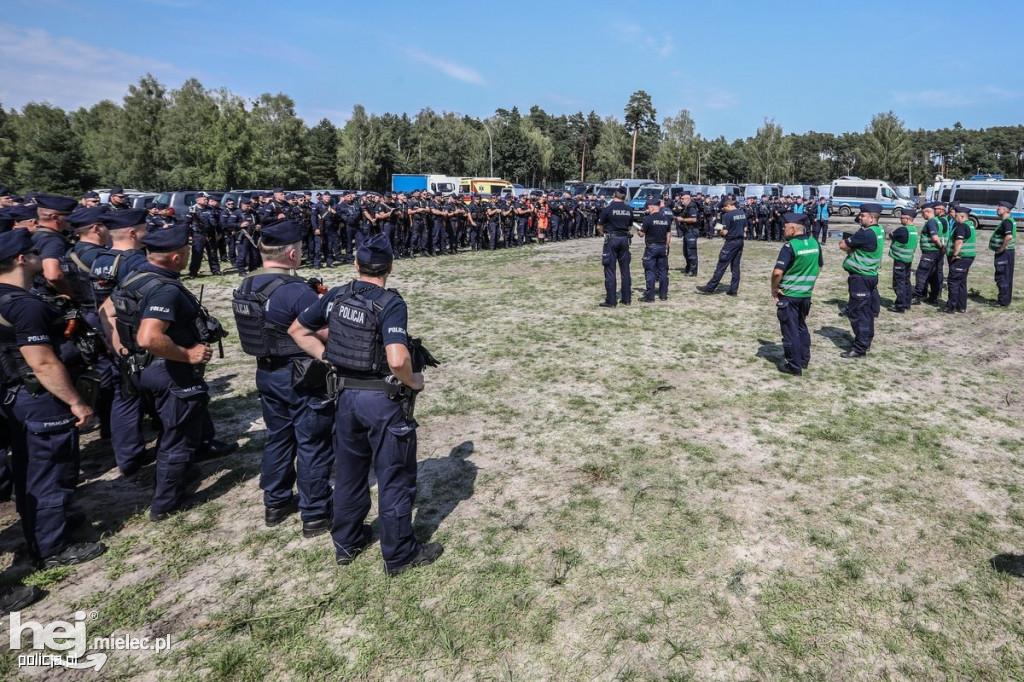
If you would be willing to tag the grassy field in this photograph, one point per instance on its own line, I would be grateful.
(635, 493)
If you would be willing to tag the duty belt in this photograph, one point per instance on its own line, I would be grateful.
(276, 362)
(365, 384)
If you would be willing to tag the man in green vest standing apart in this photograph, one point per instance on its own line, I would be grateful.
(796, 270)
(961, 251)
(864, 248)
(904, 243)
(1004, 243)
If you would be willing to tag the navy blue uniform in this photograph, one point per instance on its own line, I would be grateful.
(791, 312)
(109, 269)
(735, 224)
(298, 446)
(656, 228)
(1004, 262)
(176, 390)
(43, 437)
(205, 224)
(51, 245)
(371, 429)
(958, 269)
(616, 219)
(929, 280)
(863, 293)
(690, 233)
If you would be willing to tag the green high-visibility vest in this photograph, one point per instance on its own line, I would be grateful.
(867, 263)
(928, 244)
(1008, 227)
(969, 248)
(944, 228)
(905, 252)
(798, 280)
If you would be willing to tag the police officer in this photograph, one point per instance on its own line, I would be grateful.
(298, 420)
(204, 223)
(50, 238)
(963, 248)
(41, 406)
(687, 215)
(228, 232)
(367, 344)
(864, 249)
(323, 247)
(614, 224)
(657, 233)
(733, 227)
(247, 227)
(351, 213)
(904, 244)
(929, 269)
(1004, 245)
(796, 270)
(109, 268)
(118, 202)
(160, 321)
(821, 217)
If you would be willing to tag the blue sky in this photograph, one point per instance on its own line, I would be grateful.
(825, 66)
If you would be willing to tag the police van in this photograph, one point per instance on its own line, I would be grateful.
(758, 191)
(808, 192)
(655, 191)
(607, 190)
(848, 194)
(982, 197)
(723, 190)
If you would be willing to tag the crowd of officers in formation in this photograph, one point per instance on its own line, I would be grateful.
(949, 234)
(96, 322)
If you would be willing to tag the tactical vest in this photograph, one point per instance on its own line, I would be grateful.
(128, 304)
(861, 262)
(354, 341)
(13, 367)
(904, 253)
(256, 334)
(1009, 227)
(969, 248)
(798, 280)
(76, 274)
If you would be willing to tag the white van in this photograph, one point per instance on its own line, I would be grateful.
(757, 191)
(808, 192)
(982, 196)
(607, 190)
(848, 195)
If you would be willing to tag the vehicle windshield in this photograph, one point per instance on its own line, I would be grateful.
(648, 193)
(606, 191)
(445, 187)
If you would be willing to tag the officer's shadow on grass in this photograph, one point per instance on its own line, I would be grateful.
(443, 482)
(772, 352)
(841, 338)
(1012, 564)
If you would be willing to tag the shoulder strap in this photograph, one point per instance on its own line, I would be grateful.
(7, 298)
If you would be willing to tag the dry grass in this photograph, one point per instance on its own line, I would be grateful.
(633, 493)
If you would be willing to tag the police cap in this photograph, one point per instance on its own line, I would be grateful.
(1005, 204)
(930, 204)
(375, 251)
(653, 202)
(962, 209)
(160, 205)
(90, 195)
(245, 200)
(116, 190)
(278, 190)
(909, 213)
(289, 196)
(116, 220)
(56, 203)
(871, 208)
(166, 240)
(281, 233)
(326, 194)
(20, 213)
(797, 218)
(14, 243)
(4, 192)
(84, 217)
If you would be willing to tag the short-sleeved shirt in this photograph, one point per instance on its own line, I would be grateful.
(616, 217)
(900, 235)
(863, 240)
(735, 224)
(931, 227)
(34, 321)
(656, 228)
(170, 303)
(688, 212)
(393, 319)
(960, 231)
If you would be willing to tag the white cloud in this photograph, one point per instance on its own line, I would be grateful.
(661, 44)
(66, 72)
(451, 69)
